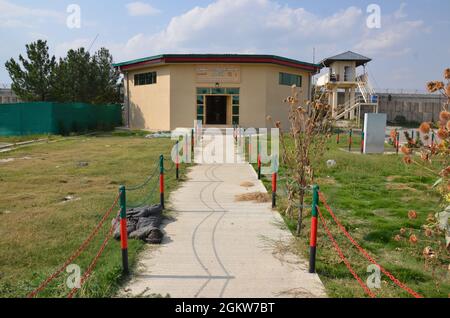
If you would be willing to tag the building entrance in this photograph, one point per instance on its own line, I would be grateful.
(216, 110)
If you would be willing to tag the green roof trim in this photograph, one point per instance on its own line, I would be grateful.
(143, 59)
(212, 56)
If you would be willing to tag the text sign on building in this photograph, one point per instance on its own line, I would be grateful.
(218, 74)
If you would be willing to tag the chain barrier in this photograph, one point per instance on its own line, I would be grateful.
(77, 253)
(147, 198)
(364, 252)
(343, 258)
(147, 181)
(171, 166)
(95, 231)
(92, 265)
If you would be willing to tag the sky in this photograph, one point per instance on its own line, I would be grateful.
(408, 41)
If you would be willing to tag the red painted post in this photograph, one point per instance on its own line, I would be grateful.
(192, 141)
(274, 189)
(123, 229)
(313, 238)
(338, 137)
(161, 180)
(350, 140)
(259, 166)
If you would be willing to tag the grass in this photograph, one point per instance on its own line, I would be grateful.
(372, 195)
(18, 139)
(39, 231)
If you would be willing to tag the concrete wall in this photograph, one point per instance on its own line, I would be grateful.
(150, 104)
(414, 107)
(183, 95)
(276, 93)
(339, 69)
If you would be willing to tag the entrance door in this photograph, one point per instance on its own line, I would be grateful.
(216, 110)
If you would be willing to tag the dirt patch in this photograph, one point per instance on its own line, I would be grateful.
(400, 186)
(392, 178)
(247, 184)
(326, 181)
(254, 196)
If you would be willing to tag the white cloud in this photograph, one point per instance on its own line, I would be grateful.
(141, 9)
(238, 26)
(13, 15)
(394, 34)
(390, 39)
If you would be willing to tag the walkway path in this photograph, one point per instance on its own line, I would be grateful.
(221, 248)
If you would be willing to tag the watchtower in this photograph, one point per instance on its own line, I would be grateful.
(341, 78)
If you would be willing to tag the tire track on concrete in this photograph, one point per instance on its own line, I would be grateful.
(213, 211)
(213, 237)
(194, 234)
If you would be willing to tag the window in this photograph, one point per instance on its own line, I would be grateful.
(290, 79)
(145, 79)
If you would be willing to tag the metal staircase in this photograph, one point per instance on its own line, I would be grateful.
(365, 88)
(365, 96)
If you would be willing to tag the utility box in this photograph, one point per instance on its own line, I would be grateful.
(374, 133)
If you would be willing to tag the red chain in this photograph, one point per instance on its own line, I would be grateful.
(76, 253)
(344, 259)
(95, 259)
(364, 252)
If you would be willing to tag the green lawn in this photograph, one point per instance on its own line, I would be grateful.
(371, 195)
(39, 231)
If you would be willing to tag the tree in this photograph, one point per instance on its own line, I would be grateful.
(78, 77)
(74, 78)
(34, 81)
(106, 78)
(310, 126)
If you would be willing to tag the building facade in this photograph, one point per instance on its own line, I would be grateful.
(166, 92)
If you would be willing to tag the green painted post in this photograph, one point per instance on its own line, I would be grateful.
(161, 180)
(123, 229)
(177, 163)
(313, 238)
(397, 149)
(362, 141)
(432, 138)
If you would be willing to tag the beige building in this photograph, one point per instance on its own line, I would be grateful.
(170, 91)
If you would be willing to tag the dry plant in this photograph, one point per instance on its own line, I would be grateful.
(253, 196)
(310, 125)
(435, 159)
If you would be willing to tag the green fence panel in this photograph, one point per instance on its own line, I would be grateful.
(57, 118)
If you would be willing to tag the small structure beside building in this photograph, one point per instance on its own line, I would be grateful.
(7, 96)
(169, 91)
(342, 77)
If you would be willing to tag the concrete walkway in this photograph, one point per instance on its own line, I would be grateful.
(217, 247)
